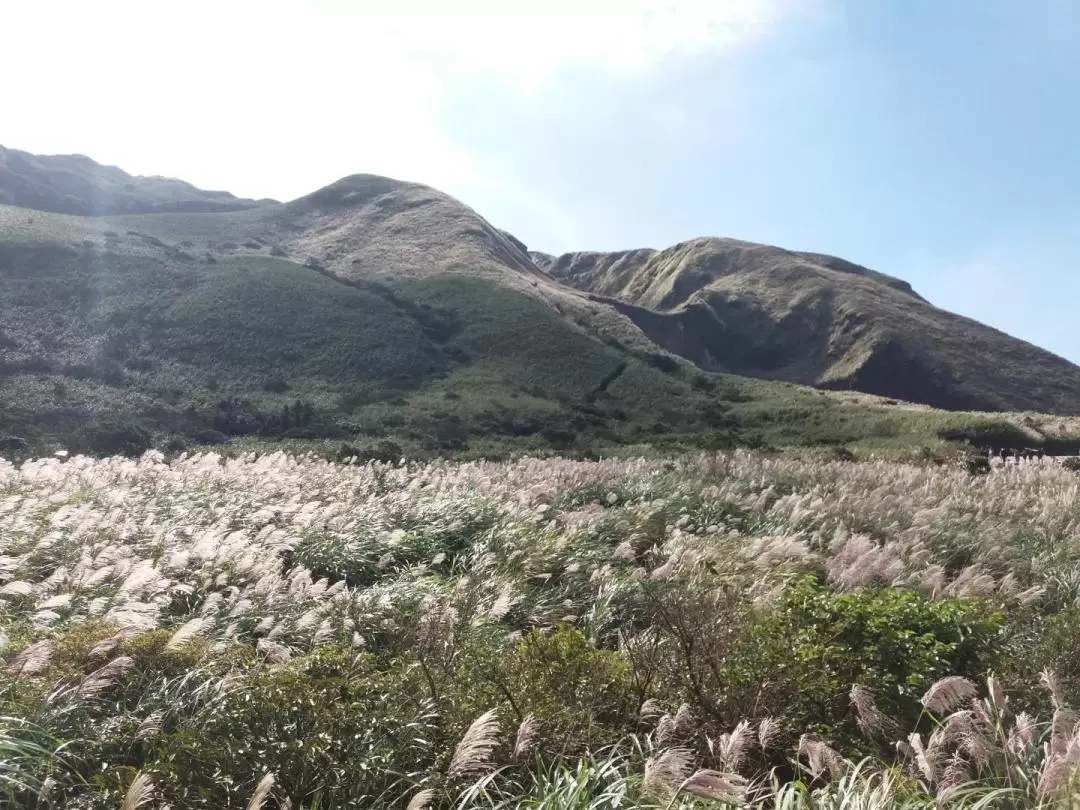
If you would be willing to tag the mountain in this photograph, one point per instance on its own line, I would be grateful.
(754, 309)
(380, 316)
(74, 184)
(368, 309)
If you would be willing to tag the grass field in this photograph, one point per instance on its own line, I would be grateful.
(276, 630)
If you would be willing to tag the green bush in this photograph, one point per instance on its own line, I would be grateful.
(581, 696)
(116, 439)
(895, 642)
(335, 728)
(799, 659)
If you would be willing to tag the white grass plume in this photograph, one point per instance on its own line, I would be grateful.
(716, 786)
(821, 758)
(665, 772)
(186, 633)
(871, 721)
(262, 790)
(35, 659)
(421, 800)
(948, 693)
(526, 738)
(769, 731)
(473, 752)
(104, 678)
(139, 793)
(731, 748)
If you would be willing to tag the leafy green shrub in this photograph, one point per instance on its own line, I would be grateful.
(208, 436)
(581, 696)
(116, 439)
(799, 658)
(819, 643)
(276, 385)
(335, 728)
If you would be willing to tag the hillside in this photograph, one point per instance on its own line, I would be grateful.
(75, 184)
(370, 309)
(374, 316)
(764, 311)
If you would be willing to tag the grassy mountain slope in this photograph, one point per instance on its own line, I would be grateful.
(371, 310)
(75, 184)
(814, 319)
(189, 323)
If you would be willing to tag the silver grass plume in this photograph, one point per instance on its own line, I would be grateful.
(185, 634)
(684, 720)
(769, 731)
(526, 738)
(821, 758)
(665, 772)
(421, 800)
(995, 693)
(981, 712)
(473, 752)
(1062, 727)
(275, 653)
(150, 726)
(962, 730)
(948, 693)
(35, 659)
(716, 786)
(955, 776)
(109, 644)
(139, 793)
(104, 678)
(1059, 768)
(262, 790)
(650, 708)
(871, 721)
(1022, 734)
(665, 730)
(731, 748)
(1049, 679)
(925, 758)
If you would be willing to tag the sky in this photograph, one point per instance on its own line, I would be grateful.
(934, 140)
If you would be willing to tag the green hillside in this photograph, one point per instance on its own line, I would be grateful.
(374, 317)
(760, 310)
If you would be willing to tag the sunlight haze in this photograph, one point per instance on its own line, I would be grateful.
(931, 141)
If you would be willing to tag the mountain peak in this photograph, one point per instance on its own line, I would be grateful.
(765, 311)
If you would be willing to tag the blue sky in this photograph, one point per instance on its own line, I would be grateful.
(935, 140)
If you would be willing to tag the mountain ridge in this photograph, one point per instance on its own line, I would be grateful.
(374, 309)
(77, 184)
(819, 320)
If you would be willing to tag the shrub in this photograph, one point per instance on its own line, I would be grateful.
(276, 385)
(581, 696)
(819, 642)
(336, 729)
(117, 439)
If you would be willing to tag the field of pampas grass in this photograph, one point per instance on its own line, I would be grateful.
(736, 629)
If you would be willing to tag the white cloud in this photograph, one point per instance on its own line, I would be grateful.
(274, 98)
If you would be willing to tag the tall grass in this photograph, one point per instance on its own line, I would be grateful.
(708, 631)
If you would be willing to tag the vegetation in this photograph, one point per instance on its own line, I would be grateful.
(375, 314)
(819, 320)
(731, 628)
(74, 184)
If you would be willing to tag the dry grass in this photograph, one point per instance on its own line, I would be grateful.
(266, 561)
